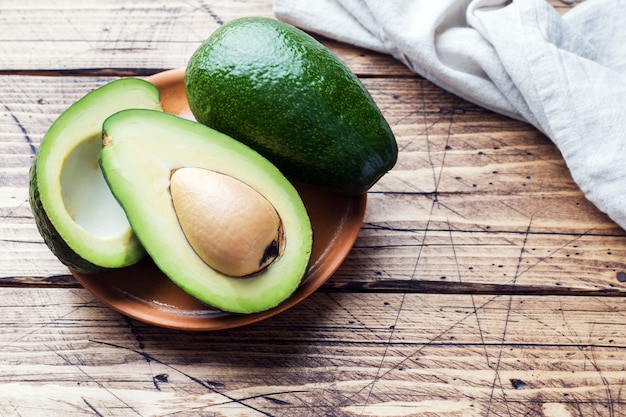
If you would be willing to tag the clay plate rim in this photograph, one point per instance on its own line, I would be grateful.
(143, 293)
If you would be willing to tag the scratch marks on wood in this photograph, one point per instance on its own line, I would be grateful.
(437, 169)
(436, 173)
(92, 408)
(96, 381)
(519, 271)
(211, 386)
(607, 386)
(447, 147)
(384, 355)
(497, 378)
(589, 355)
(209, 9)
(356, 321)
(413, 355)
(474, 308)
(164, 378)
(136, 335)
(20, 125)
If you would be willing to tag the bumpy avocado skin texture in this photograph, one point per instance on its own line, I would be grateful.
(277, 89)
(141, 150)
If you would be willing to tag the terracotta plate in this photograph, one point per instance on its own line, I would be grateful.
(144, 293)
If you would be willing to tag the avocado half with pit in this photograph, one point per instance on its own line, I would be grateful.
(216, 217)
(75, 212)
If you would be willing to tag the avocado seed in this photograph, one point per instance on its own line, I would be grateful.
(229, 224)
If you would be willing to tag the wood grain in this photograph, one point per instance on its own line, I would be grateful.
(334, 354)
(133, 38)
(139, 37)
(482, 283)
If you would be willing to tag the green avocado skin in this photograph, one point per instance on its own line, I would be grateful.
(281, 92)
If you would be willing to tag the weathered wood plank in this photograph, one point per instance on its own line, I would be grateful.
(334, 354)
(482, 283)
(137, 37)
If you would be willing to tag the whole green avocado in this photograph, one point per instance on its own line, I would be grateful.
(281, 92)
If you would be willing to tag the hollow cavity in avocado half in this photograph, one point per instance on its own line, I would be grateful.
(75, 212)
(217, 218)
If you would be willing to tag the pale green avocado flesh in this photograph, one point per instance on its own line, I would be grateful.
(141, 150)
(76, 214)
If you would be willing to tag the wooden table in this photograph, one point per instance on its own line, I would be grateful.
(482, 282)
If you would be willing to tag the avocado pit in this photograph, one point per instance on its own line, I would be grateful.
(229, 224)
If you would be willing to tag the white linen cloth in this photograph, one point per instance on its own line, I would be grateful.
(566, 75)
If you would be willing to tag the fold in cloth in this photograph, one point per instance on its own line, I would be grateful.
(565, 75)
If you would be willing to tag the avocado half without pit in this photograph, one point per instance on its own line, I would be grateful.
(75, 212)
(216, 217)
